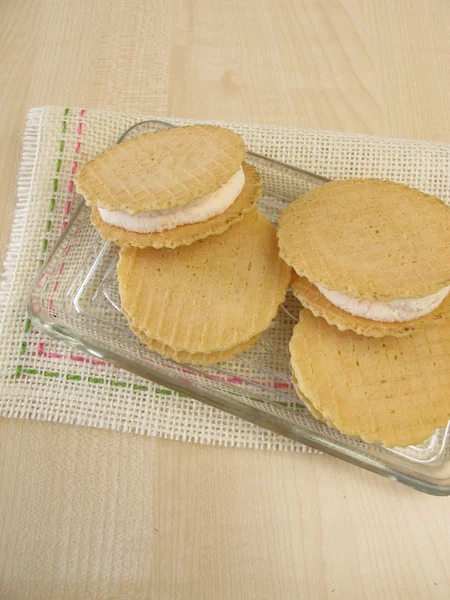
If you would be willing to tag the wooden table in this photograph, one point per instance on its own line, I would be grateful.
(92, 514)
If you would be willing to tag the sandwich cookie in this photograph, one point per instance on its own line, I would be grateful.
(371, 256)
(170, 188)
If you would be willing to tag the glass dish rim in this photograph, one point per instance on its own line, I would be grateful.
(316, 440)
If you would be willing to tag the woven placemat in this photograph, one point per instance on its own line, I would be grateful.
(43, 379)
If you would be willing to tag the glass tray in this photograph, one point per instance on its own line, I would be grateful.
(75, 298)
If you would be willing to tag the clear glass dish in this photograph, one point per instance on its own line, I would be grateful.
(75, 298)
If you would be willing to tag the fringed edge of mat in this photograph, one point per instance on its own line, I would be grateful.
(30, 146)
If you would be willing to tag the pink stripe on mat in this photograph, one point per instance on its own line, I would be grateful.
(41, 351)
(73, 170)
(94, 361)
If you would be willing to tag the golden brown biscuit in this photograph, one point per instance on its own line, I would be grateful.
(368, 238)
(311, 298)
(184, 235)
(393, 391)
(156, 171)
(210, 296)
(197, 358)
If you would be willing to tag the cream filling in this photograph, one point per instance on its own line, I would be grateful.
(198, 210)
(404, 309)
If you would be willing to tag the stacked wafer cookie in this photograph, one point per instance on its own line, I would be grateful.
(200, 278)
(370, 354)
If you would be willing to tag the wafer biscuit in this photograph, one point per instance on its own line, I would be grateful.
(197, 358)
(315, 413)
(210, 296)
(184, 235)
(393, 391)
(368, 238)
(311, 298)
(156, 171)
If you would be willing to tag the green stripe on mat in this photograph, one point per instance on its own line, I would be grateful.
(19, 370)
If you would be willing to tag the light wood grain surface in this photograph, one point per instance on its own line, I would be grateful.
(93, 514)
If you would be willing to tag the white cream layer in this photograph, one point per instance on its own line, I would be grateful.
(200, 209)
(404, 309)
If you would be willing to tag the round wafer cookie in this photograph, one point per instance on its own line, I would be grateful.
(392, 391)
(312, 298)
(315, 413)
(198, 358)
(184, 235)
(372, 239)
(209, 296)
(161, 170)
